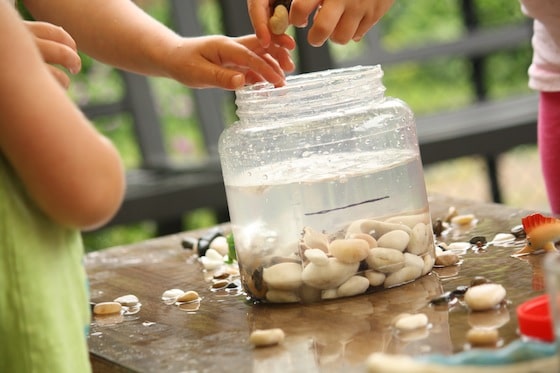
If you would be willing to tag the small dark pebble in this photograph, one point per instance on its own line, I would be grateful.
(258, 279)
(438, 227)
(203, 243)
(479, 280)
(478, 241)
(445, 298)
(189, 243)
(232, 285)
(460, 290)
(286, 3)
(518, 231)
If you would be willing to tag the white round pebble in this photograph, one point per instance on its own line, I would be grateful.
(385, 260)
(446, 259)
(329, 276)
(397, 239)
(171, 294)
(464, 219)
(420, 239)
(266, 337)
(283, 276)
(375, 278)
(485, 296)
(281, 296)
(214, 255)
(366, 237)
(210, 264)
(128, 300)
(220, 244)
(353, 286)
(459, 248)
(351, 250)
(402, 276)
(317, 257)
(408, 322)
(502, 238)
(107, 308)
(482, 337)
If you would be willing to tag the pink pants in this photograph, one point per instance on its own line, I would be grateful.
(549, 146)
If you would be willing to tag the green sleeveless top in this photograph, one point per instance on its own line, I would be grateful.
(44, 308)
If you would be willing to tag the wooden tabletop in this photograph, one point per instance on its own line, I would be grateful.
(329, 336)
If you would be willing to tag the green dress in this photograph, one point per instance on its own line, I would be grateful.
(44, 308)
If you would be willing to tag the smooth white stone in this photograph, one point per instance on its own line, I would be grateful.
(483, 337)
(213, 254)
(366, 237)
(465, 219)
(210, 264)
(353, 286)
(317, 256)
(281, 296)
(385, 260)
(128, 300)
(485, 296)
(329, 294)
(283, 276)
(411, 260)
(410, 220)
(459, 248)
(420, 239)
(374, 227)
(402, 276)
(329, 276)
(266, 337)
(171, 294)
(447, 259)
(502, 238)
(410, 322)
(351, 250)
(220, 245)
(375, 278)
(107, 308)
(428, 264)
(397, 239)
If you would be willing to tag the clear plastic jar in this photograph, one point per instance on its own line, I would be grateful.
(325, 188)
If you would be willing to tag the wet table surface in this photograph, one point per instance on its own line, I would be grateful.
(329, 336)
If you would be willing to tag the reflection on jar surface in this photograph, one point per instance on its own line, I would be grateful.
(327, 157)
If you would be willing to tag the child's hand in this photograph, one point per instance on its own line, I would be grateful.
(228, 63)
(337, 20)
(260, 12)
(57, 48)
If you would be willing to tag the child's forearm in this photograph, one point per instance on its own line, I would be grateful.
(114, 32)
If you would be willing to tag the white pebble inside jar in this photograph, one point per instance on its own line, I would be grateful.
(328, 266)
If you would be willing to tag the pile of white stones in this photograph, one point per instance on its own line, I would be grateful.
(369, 254)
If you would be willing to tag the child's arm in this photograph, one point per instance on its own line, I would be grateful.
(119, 33)
(73, 173)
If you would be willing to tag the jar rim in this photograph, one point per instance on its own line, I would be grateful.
(309, 80)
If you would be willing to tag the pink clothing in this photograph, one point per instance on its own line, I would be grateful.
(549, 146)
(544, 72)
(544, 76)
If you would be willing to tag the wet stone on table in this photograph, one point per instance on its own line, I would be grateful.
(518, 231)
